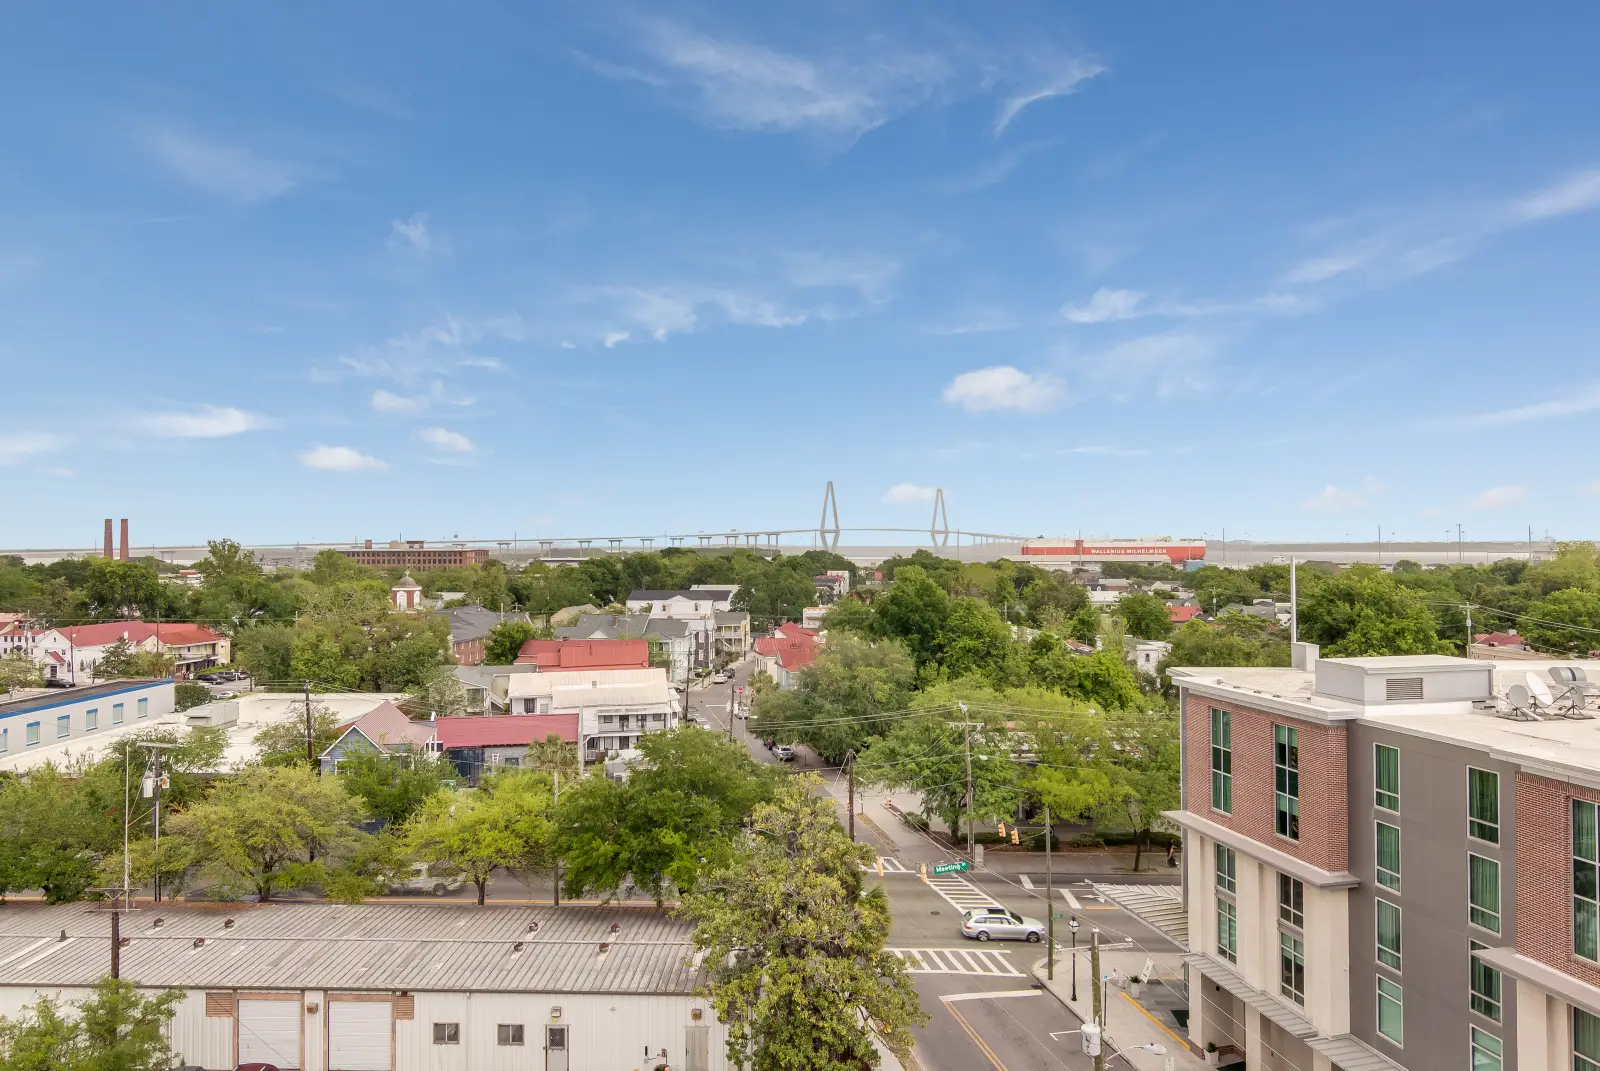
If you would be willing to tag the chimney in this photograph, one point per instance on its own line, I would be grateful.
(108, 538)
(124, 552)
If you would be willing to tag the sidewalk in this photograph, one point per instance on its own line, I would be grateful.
(1128, 1023)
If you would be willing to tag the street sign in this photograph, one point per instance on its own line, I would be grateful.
(950, 868)
(1058, 915)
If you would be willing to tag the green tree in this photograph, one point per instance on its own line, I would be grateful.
(796, 945)
(226, 559)
(46, 836)
(1085, 624)
(671, 820)
(849, 615)
(1365, 611)
(189, 694)
(1232, 640)
(553, 755)
(504, 642)
(116, 1028)
(115, 661)
(914, 611)
(393, 787)
(266, 830)
(266, 652)
(505, 823)
(780, 595)
(927, 754)
(975, 640)
(17, 670)
(1145, 616)
(330, 567)
(839, 702)
(1566, 621)
(1103, 678)
(283, 743)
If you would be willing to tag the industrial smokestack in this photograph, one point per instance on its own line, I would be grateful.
(108, 538)
(124, 553)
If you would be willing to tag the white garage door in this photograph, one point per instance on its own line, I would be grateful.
(269, 1032)
(360, 1035)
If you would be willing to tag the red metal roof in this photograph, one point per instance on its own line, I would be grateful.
(1500, 639)
(1179, 614)
(505, 730)
(792, 631)
(553, 655)
(178, 633)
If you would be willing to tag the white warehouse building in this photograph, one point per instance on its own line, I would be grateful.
(388, 987)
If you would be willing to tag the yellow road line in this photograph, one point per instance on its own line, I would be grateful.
(983, 1046)
(1146, 1012)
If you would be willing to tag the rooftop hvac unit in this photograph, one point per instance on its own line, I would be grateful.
(214, 715)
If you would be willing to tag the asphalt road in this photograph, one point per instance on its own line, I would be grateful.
(984, 1010)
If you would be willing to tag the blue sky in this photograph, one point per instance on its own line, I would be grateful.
(1296, 271)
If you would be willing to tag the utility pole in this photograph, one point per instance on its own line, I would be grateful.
(1468, 648)
(966, 746)
(151, 785)
(1294, 601)
(311, 759)
(850, 767)
(555, 866)
(1461, 554)
(1049, 902)
(1094, 979)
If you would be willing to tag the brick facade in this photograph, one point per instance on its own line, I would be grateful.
(1544, 874)
(1324, 791)
(468, 652)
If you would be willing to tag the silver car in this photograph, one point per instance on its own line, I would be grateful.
(1000, 925)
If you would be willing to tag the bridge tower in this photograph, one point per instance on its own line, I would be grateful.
(824, 533)
(939, 527)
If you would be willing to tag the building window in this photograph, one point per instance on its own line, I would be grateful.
(1486, 1052)
(1287, 762)
(1585, 1041)
(1585, 881)
(5, 741)
(1221, 761)
(1483, 892)
(1292, 958)
(1483, 805)
(143, 708)
(1388, 845)
(91, 719)
(1291, 901)
(33, 733)
(1227, 930)
(63, 725)
(509, 1034)
(116, 713)
(1388, 934)
(447, 1033)
(1386, 776)
(1227, 869)
(1391, 1010)
(1485, 984)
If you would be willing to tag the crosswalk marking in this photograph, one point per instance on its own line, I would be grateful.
(1027, 882)
(889, 864)
(1072, 901)
(987, 962)
(958, 892)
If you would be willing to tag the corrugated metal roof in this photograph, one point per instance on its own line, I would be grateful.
(1273, 1008)
(1353, 1054)
(366, 946)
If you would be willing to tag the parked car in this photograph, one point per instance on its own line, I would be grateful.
(235, 675)
(57, 682)
(420, 879)
(719, 678)
(991, 925)
(784, 753)
(209, 678)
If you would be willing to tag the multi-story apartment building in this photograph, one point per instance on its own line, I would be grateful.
(1392, 863)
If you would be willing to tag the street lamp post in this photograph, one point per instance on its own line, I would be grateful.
(1072, 924)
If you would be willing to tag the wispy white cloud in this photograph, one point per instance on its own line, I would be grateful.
(1335, 499)
(207, 422)
(869, 274)
(1165, 364)
(992, 172)
(1576, 193)
(908, 494)
(1004, 387)
(1583, 400)
(1320, 269)
(628, 312)
(436, 349)
(1105, 305)
(340, 459)
(450, 442)
(747, 86)
(1072, 73)
(16, 447)
(413, 235)
(224, 170)
(387, 402)
(1500, 497)
(1104, 451)
(982, 322)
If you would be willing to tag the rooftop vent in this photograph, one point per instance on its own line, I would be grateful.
(1400, 688)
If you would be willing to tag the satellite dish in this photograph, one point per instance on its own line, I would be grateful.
(1517, 696)
(1539, 689)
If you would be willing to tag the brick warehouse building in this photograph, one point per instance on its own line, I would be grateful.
(1393, 863)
